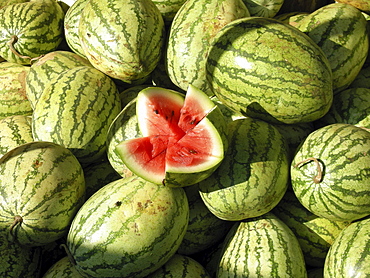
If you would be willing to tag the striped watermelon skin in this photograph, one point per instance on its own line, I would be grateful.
(13, 98)
(71, 25)
(204, 228)
(43, 183)
(349, 255)
(125, 126)
(37, 25)
(129, 228)
(254, 174)
(134, 37)
(168, 8)
(340, 30)
(263, 8)
(315, 234)
(342, 154)
(75, 111)
(362, 78)
(45, 69)
(254, 57)
(180, 266)
(350, 106)
(190, 35)
(261, 247)
(15, 131)
(62, 269)
(17, 260)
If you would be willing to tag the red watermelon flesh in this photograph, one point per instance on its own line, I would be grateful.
(175, 135)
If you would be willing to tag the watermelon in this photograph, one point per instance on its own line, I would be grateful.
(128, 228)
(13, 98)
(183, 139)
(261, 247)
(180, 266)
(17, 260)
(254, 174)
(350, 106)
(263, 8)
(97, 175)
(63, 268)
(71, 26)
(15, 131)
(30, 30)
(123, 127)
(191, 32)
(133, 38)
(330, 172)
(267, 69)
(42, 71)
(204, 229)
(41, 188)
(349, 254)
(362, 78)
(315, 234)
(168, 9)
(75, 110)
(340, 30)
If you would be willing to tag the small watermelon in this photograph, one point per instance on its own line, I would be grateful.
(183, 139)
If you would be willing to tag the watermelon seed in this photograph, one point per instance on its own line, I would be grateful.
(118, 203)
(17, 220)
(156, 111)
(318, 177)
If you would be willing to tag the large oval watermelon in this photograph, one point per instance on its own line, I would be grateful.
(129, 228)
(264, 68)
(41, 188)
(132, 40)
(75, 110)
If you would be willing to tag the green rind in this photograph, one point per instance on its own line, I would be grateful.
(75, 111)
(13, 98)
(180, 266)
(139, 224)
(44, 184)
(63, 268)
(263, 8)
(349, 255)
(124, 52)
(19, 261)
(71, 26)
(191, 32)
(123, 127)
(38, 26)
(315, 234)
(261, 247)
(45, 69)
(350, 106)
(204, 228)
(253, 176)
(343, 154)
(15, 131)
(340, 30)
(254, 57)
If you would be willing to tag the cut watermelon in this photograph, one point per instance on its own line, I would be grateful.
(184, 138)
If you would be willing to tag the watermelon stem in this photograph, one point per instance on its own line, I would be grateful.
(318, 177)
(17, 220)
(11, 43)
(69, 255)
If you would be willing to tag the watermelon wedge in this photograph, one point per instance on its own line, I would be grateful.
(184, 137)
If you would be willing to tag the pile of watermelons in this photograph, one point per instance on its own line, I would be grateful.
(197, 138)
